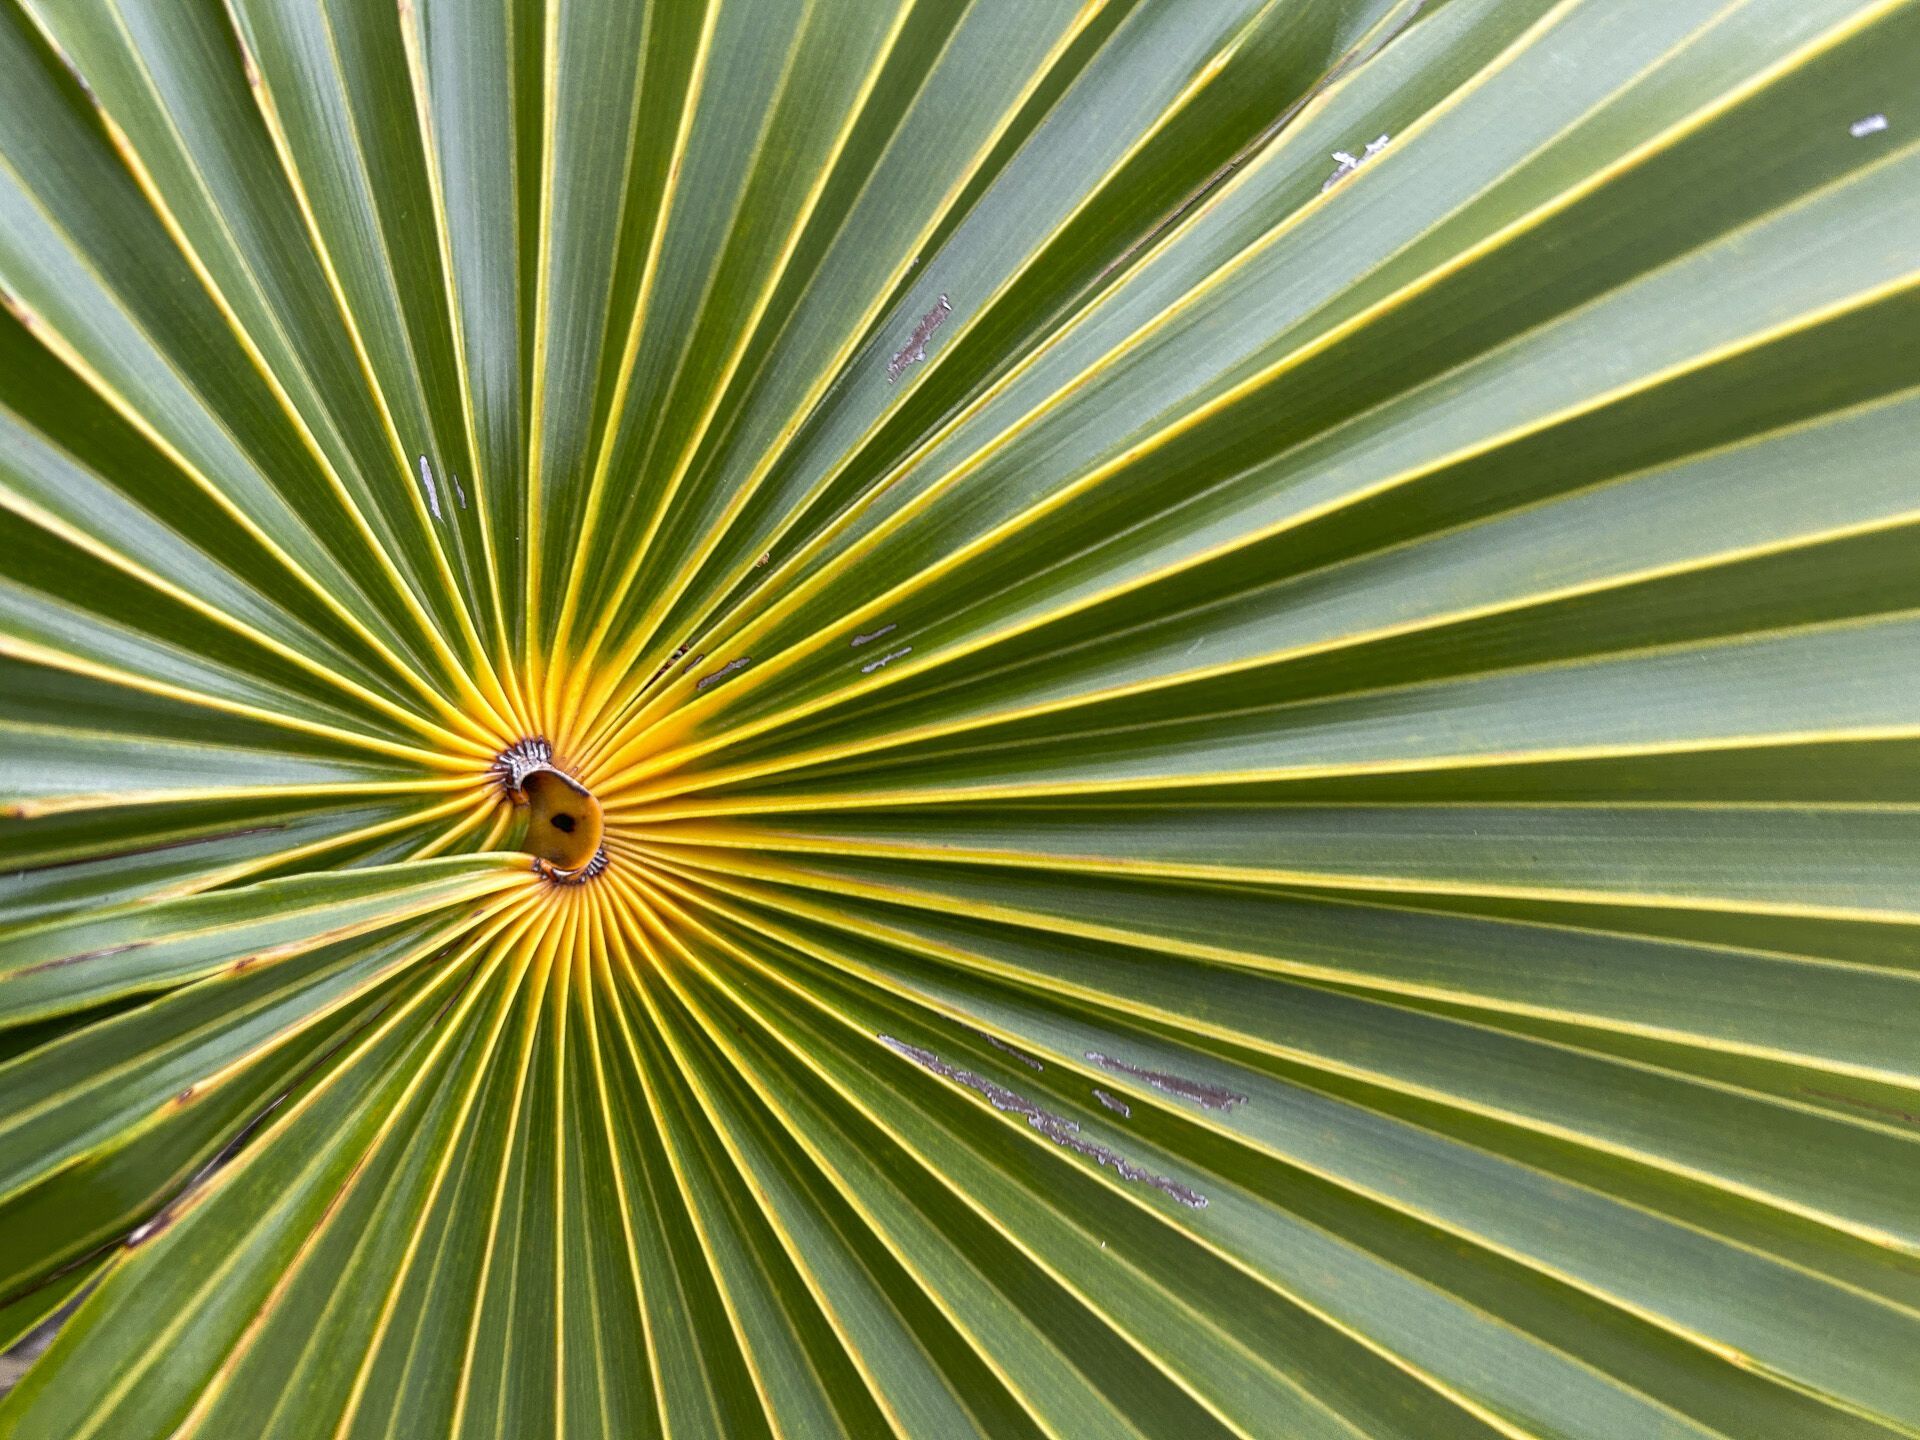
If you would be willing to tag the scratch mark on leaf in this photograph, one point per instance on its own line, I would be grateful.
(725, 670)
(1001, 1045)
(885, 660)
(1867, 125)
(433, 494)
(1350, 163)
(872, 635)
(1210, 1097)
(915, 350)
(1113, 1103)
(1057, 1128)
(153, 1227)
(73, 71)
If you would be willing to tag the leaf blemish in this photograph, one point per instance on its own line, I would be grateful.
(1208, 1097)
(73, 71)
(433, 494)
(885, 660)
(1870, 1106)
(153, 849)
(19, 309)
(1347, 163)
(1867, 125)
(1057, 1128)
(147, 1231)
(725, 670)
(915, 350)
(667, 664)
(64, 960)
(1002, 1046)
(1113, 1103)
(872, 635)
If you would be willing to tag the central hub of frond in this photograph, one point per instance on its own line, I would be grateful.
(565, 826)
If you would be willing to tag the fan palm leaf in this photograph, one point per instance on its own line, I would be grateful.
(1147, 718)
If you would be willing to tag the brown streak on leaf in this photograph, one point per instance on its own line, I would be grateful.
(176, 1204)
(153, 849)
(100, 954)
(457, 991)
(1868, 1105)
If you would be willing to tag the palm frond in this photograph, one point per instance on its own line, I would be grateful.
(1247, 664)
